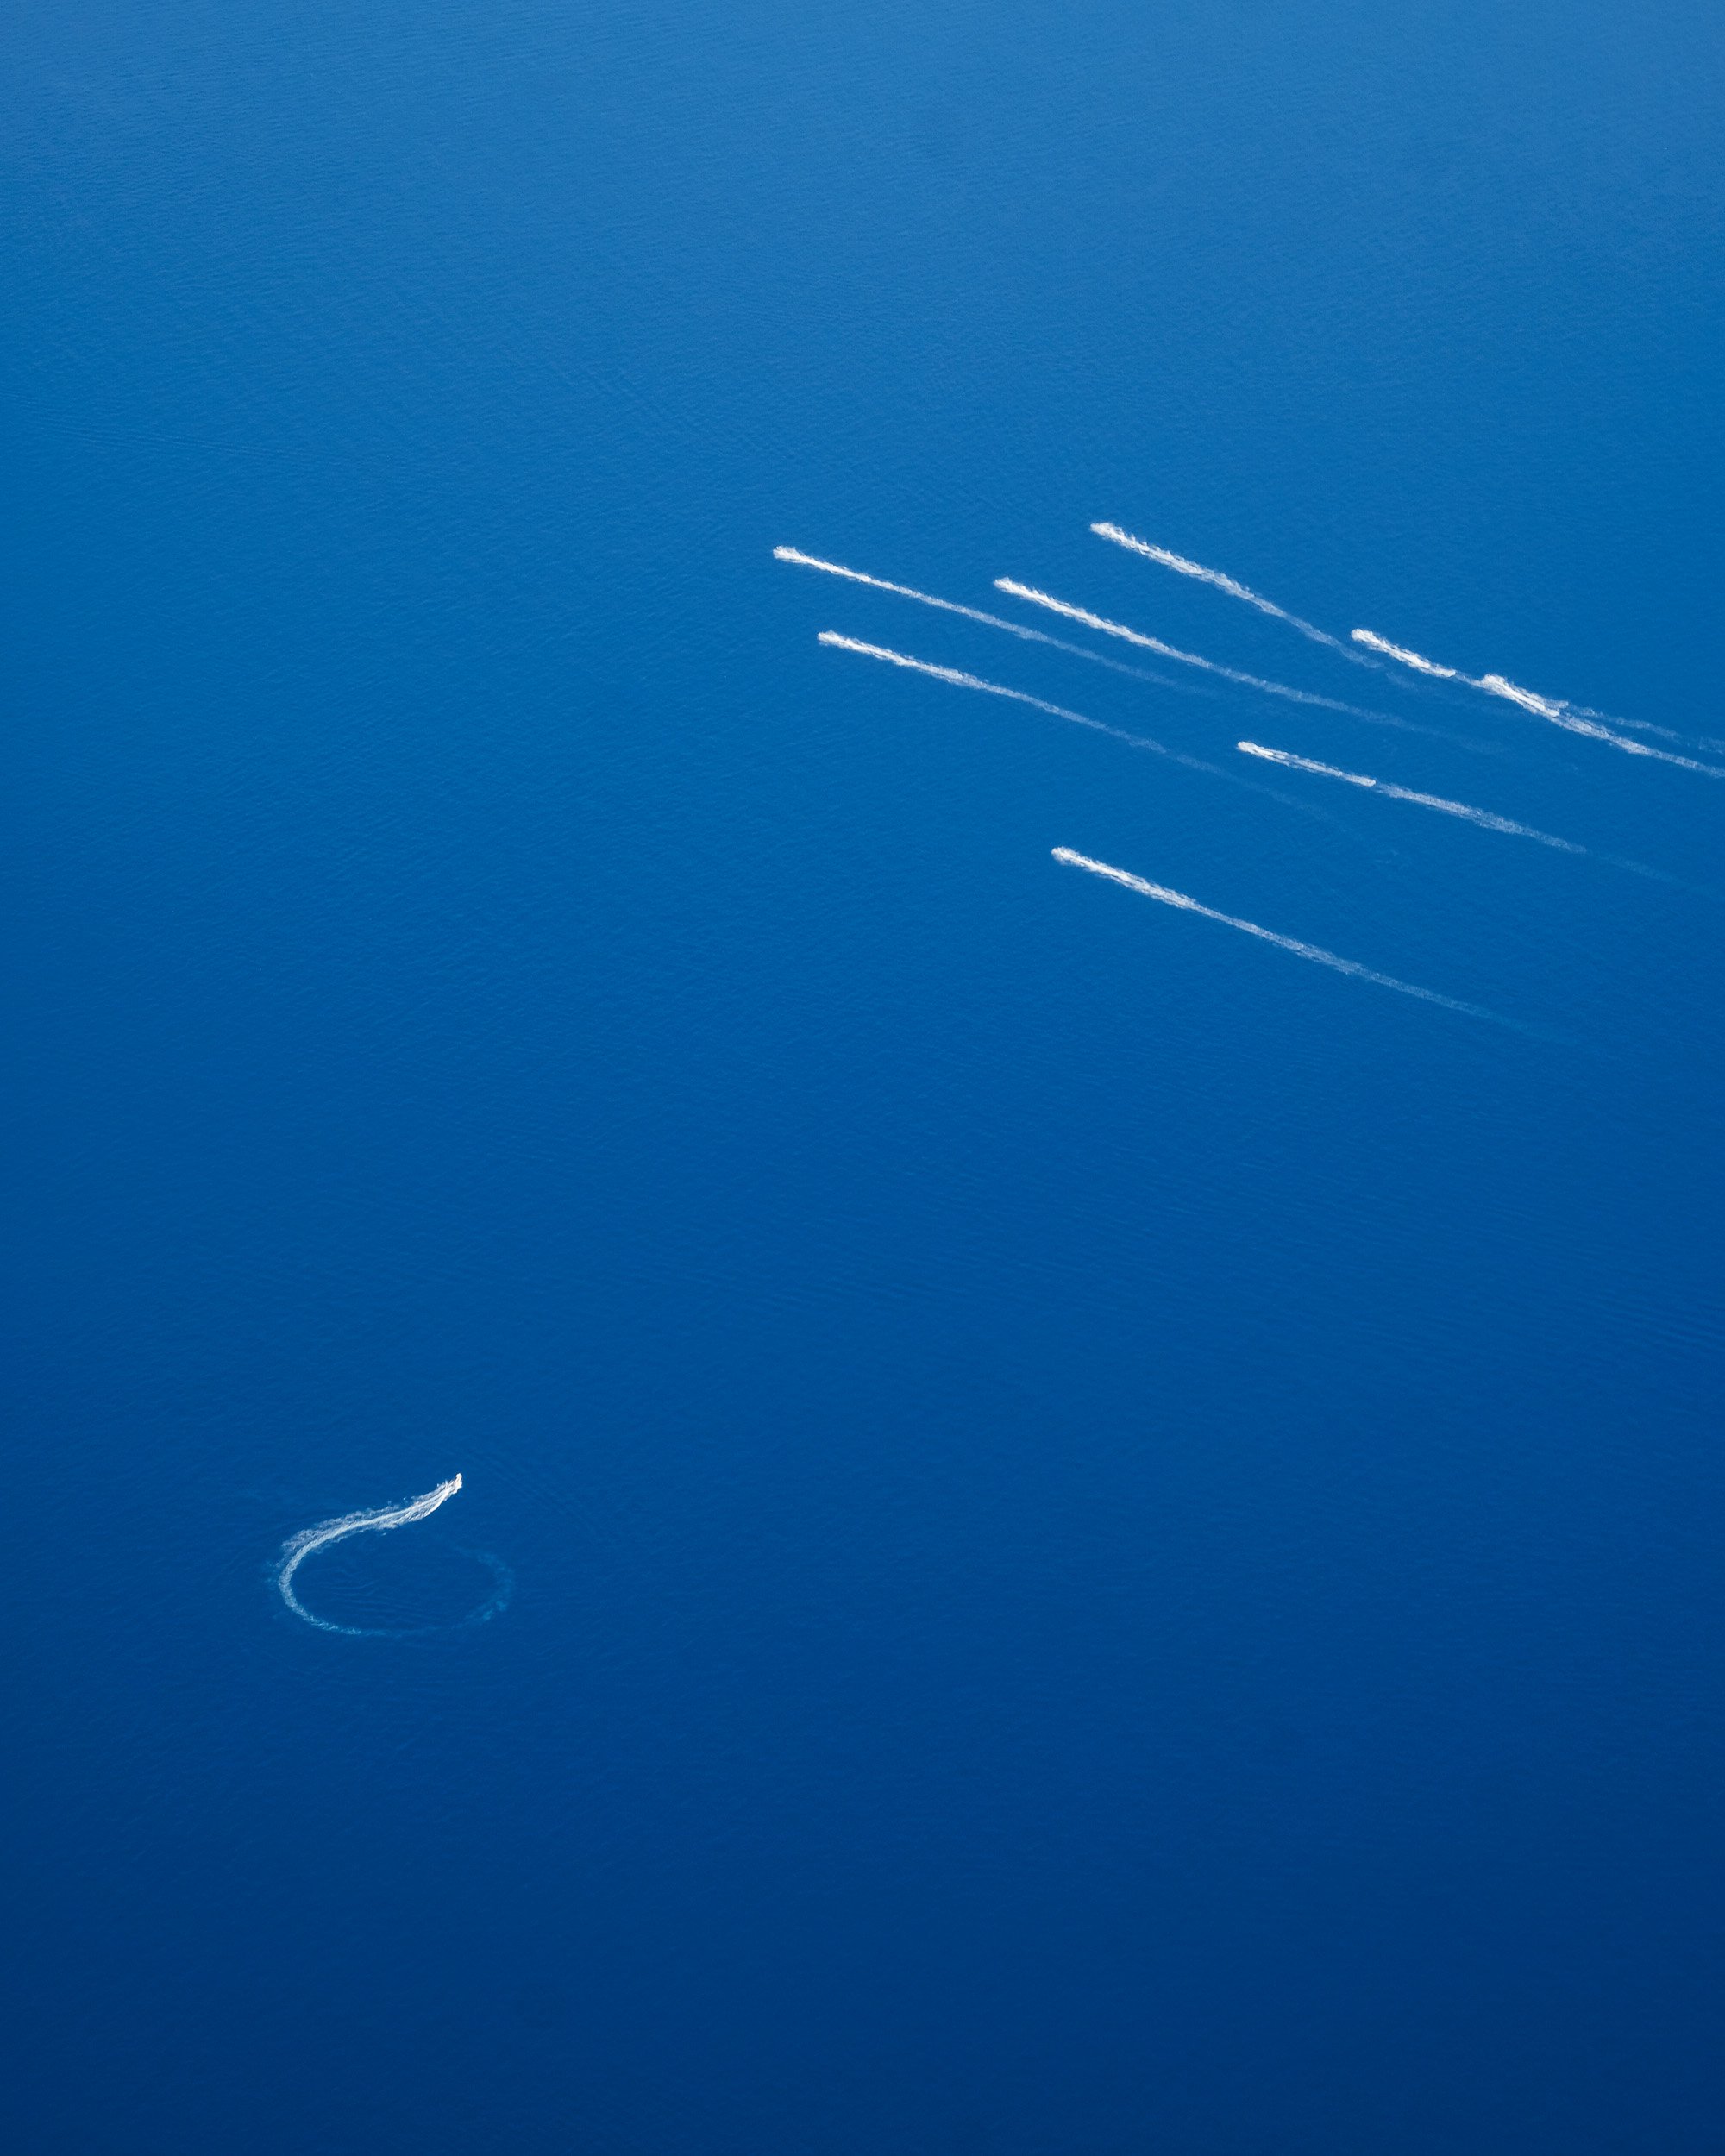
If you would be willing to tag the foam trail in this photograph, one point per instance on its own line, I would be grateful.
(1015, 590)
(297, 1548)
(831, 636)
(1647, 726)
(1573, 722)
(1483, 817)
(1313, 951)
(1403, 657)
(970, 613)
(1183, 568)
(1571, 717)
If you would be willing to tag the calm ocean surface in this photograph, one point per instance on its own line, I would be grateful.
(1115, 1538)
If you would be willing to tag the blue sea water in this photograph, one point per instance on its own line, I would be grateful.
(1116, 1538)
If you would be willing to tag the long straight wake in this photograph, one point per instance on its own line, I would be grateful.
(960, 681)
(1483, 817)
(297, 1548)
(1082, 615)
(1572, 718)
(1314, 952)
(972, 613)
(1182, 566)
(1402, 656)
(1575, 718)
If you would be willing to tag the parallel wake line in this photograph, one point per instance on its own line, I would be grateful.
(1183, 568)
(1312, 951)
(970, 613)
(1646, 726)
(958, 681)
(1015, 590)
(1483, 817)
(1403, 657)
(832, 637)
(1570, 717)
(1575, 718)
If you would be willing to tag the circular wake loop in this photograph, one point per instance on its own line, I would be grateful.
(309, 1540)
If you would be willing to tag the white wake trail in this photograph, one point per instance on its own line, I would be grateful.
(1483, 817)
(1572, 718)
(972, 613)
(1314, 952)
(1403, 657)
(297, 1548)
(1182, 566)
(1647, 726)
(1099, 621)
(960, 681)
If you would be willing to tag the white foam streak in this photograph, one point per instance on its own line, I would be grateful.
(1099, 621)
(1112, 628)
(1570, 717)
(1573, 722)
(968, 613)
(960, 681)
(1541, 706)
(1182, 566)
(1401, 654)
(1314, 952)
(1646, 726)
(1483, 818)
(297, 1548)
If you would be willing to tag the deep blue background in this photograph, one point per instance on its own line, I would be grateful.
(1118, 1537)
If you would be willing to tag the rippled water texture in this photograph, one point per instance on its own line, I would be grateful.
(1087, 1353)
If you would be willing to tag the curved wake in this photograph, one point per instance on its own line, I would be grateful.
(297, 1548)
